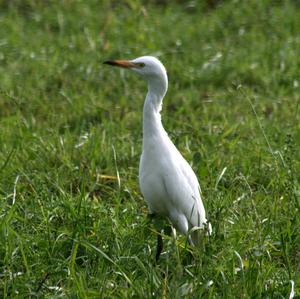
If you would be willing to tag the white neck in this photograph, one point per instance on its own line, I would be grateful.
(157, 88)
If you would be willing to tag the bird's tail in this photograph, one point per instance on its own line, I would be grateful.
(198, 233)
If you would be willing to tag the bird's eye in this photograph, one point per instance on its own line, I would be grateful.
(140, 64)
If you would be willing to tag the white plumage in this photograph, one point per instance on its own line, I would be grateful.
(168, 183)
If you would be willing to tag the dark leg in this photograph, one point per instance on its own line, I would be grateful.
(151, 216)
(158, 228)
(159, 247)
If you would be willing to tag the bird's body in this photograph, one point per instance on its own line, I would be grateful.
(167, 182)
(170, 187)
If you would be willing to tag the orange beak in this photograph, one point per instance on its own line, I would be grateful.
(120, 63)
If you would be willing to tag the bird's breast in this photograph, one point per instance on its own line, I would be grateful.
(153, 166)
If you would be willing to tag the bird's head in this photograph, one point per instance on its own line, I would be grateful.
(148, 67)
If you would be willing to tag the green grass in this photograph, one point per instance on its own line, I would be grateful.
(69, 126)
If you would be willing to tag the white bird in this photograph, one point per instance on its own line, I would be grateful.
(167, 181)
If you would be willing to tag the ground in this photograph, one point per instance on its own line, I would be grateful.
(73, 221)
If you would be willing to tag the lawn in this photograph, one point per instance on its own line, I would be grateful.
(73, 223)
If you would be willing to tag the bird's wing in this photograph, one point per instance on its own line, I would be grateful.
(181, 185)
(191, 177)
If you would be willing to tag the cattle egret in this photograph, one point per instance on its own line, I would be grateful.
(168, 183)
